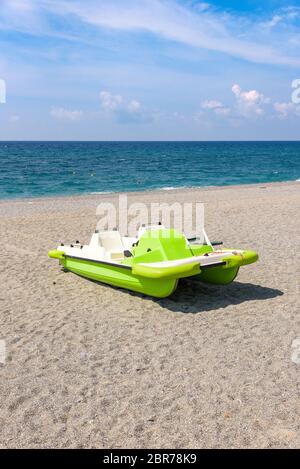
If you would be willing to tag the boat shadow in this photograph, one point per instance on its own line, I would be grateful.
(196, 297)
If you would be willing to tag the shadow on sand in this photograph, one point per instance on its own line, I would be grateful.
(196, 297)
(192, 296)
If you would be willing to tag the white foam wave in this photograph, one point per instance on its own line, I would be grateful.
(171, 188)
(103, 192)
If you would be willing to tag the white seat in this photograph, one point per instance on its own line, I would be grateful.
(111, 241)
(128, 242)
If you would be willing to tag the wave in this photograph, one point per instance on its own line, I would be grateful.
(102, 192)
(171, 188)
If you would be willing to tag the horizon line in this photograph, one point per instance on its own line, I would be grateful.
(153, 141)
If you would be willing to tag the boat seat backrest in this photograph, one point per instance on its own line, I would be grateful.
(111, 241)
(94, 242)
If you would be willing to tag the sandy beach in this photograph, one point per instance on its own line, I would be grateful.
(88, 365)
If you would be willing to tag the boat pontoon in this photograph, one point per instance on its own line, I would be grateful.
(153, 262)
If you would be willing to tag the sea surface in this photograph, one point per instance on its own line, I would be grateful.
(37, 169)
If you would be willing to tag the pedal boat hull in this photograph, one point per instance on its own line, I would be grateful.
(121, 276)
(158, 279)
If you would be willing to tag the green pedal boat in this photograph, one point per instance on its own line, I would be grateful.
(153, 262)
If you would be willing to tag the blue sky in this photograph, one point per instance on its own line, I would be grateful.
(149, 69)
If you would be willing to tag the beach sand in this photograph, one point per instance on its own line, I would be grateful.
(89, 365)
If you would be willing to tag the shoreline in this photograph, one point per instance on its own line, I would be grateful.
(143, 192)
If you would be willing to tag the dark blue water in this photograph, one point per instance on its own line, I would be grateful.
(34, 169)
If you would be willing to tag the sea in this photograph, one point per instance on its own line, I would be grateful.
(43, 169)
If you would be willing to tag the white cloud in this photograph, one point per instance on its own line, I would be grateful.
(65, 114)
(126, 111)
(201, 6)
(249, 102)
(201, 27)
(274, 21)
(282, 17)
(134, 106)
(21, 15)
(291, 13)
(284, 110)
(216, 106)
(111, 102)
(212, 104)
(222, 111)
